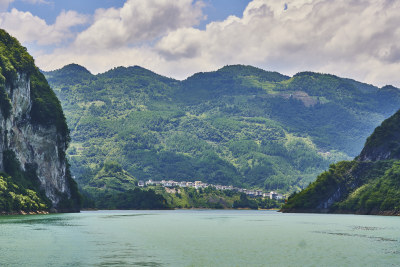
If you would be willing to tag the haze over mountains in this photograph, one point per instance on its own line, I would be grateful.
(239, 125)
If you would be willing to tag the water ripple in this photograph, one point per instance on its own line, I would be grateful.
(377, 238)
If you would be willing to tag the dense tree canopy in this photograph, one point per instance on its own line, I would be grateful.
(239, 125)
(370, 184)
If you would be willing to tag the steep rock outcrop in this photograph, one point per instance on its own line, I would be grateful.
(33, 128)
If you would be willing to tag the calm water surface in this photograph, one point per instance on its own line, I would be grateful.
(199, 238)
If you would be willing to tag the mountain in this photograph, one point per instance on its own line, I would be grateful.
(384, 143)
(34, 137)
(239, 125)
(370, 184)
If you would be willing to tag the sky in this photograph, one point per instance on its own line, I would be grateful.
(358, 39)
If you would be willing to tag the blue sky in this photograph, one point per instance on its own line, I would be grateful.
(49, 10)
(354, 39)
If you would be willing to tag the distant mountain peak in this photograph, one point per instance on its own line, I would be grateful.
(239, 67)
(128, 70)
(389, 88)
(122, 71)
(247, 70)
(69, 74)
(75, 67)
(238, 70)
(314, 74)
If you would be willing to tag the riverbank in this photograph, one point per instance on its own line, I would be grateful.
(326, 211)
(21, 212)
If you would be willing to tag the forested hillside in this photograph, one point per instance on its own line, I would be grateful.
(239, 125)
(370, 184)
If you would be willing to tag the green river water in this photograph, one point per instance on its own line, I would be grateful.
(199, 238)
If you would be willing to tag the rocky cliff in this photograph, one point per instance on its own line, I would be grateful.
(34, 135)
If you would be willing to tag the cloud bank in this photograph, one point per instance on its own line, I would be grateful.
(30, 29)
(138, 21)
(357, 39)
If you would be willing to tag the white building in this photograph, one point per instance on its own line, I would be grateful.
(275, 195)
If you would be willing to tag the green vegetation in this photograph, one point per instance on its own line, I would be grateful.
(342, 179)
(239, 125)
(385, 141)
(16, 198)
(46, 108)
(15, 60)
(212, 198)
(367, 185)
(157, 197)
(20, 190)
(380, 195)
(202, 198)
(114, 188)
(111, 178)
(244, 202)
(132, 199)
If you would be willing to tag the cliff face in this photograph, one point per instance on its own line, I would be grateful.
(33, 130)
(33, 145)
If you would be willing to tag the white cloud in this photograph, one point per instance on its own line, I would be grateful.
(139, 21)
(350, 38)
(357, 39)
(97, 61)
(32, 29)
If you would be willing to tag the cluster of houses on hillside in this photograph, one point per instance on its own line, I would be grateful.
(200, 184)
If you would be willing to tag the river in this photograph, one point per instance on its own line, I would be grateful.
(199, 238)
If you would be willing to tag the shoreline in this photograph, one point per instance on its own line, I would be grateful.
(21, 212)
(276, 209)
(378, 213)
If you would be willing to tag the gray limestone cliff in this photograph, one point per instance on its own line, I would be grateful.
(33, 132)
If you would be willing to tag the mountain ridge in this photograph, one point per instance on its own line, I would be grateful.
(238, 125)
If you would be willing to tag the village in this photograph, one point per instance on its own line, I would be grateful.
(200, 184)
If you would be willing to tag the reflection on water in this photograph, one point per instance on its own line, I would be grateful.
(377, 238)
(36, 220)
(125, 215)
(199, 238)
(366, 228)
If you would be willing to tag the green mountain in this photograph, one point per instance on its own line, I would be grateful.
(239, 125)
(370, 184)
(34, 172)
